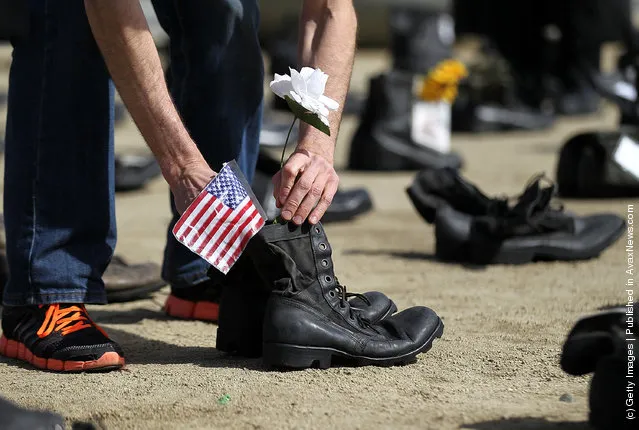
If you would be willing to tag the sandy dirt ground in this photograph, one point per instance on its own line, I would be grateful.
(496, 366)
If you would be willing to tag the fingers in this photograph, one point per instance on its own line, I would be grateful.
(303, 186)
(288, 175)
(330, 189)
(277, 182)
(311, 199)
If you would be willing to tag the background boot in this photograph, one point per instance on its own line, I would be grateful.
(420, 39)
(243, 303)
(132, 172)
(308, 320)
(383, 139)
(489, 99)
(125, 282)
(347, 204)
(598, 344)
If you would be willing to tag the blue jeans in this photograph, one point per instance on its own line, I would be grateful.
(59, 185)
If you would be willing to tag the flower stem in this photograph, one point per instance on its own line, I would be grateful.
(286, 142)
(277, 218)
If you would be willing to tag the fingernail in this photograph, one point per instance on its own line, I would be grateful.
(287, 215)
(313, 220)
(297, 220)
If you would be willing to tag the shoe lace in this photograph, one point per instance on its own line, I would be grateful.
(65, 320)
(534, 208)
(344, 295)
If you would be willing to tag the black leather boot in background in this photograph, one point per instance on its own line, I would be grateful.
(600, 343)
(243, 302)
(489, 99)
(383, 139)
(308, 320)
(346, 206)
(420, 39)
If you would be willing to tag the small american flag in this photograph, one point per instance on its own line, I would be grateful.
(221, 220)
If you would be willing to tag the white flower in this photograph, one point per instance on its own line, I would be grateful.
(306, 87)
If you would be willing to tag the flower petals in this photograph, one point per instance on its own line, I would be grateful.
(316, 83)
(299, 84)
(281, 85)
(307, 88)
(328, 102)
(306, 72)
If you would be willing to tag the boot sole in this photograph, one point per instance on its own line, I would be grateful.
(187, 310)
(280, 355)
(547, 253)
(17, 350)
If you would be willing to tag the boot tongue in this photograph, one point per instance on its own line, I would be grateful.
(463, 195)
(532, 214)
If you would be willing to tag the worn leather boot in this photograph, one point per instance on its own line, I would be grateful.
(308, 320)
(243, 302)
(383, 141)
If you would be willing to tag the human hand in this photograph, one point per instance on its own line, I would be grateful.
(189, 183)
(306, 185)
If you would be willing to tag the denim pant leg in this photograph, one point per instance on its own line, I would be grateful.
(216, 81)
(58, 195)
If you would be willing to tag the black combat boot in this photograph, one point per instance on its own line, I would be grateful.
(308, 319)
(383, 139)
(244, 297)
(420, 39)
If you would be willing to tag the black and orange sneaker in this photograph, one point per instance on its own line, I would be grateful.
(199, 302)
(58, 337)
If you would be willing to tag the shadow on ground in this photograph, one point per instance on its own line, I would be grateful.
(527, 423)
(412, 255)
(141, 350)
(130, 316)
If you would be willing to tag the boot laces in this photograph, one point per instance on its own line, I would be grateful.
(65, 319)
(344, 296)
(534, 207)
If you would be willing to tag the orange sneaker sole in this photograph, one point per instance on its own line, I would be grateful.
(13, 349)
(184, 309)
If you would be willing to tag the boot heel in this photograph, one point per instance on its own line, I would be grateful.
(242, 346)
(299, 357)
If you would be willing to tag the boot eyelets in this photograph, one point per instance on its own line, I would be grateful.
(317, 230)
(328, 279)
(322, 246)
(325, 263)
(331, 293)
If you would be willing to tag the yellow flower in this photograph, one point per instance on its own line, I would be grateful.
(450, 94)
(441, 83)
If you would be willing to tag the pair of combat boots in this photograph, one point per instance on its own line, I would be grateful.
(282, 301)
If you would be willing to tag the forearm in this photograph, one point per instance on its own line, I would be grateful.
(121, 31)
(328, 30)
